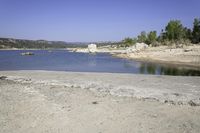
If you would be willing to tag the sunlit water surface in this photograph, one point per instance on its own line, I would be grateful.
(62, 60)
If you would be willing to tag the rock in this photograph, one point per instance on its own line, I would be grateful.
(191, 103)
(187, 50)
(176, 94)
(141, 46)
(27, 53)
(3, 77)
(180, 103)
(82, 50)
(179, 46)
(137, 47)
(92, 48)
(95, 102)
(170, 102)
(131, 49)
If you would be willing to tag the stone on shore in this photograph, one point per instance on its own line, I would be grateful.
(137, 47)
(27, 53)
(92, 48)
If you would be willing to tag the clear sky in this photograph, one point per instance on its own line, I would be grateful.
(91, 20)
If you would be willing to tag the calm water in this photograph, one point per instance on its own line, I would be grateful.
(60, 60)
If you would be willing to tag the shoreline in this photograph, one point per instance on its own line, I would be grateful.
(115, 83)
(34, 49)
(188, 56)
(160, 55)
(180, 64)
(49, 101)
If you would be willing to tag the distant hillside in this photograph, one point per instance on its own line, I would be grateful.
(6, 43)
(35, 44)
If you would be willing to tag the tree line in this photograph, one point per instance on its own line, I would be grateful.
(6, 43)
(36, 44)
(173, 34)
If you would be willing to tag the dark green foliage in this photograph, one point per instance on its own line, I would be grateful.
(187, 33)
(43, 44)
(196, 31)
(162, 37)
(134, 40)
(151, 37)
(127, 42)
(174, 30)
(31, 44)
(142, 37)
(175, 34)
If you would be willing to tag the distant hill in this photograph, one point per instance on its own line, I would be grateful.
(6, 43)
(35, 44)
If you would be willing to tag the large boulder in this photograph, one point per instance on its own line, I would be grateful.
(131, 49)
(92, 48)
(136, 47)
(141, 46)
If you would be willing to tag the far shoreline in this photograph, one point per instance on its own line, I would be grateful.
(161, 62)
(167, 61)
(186, 57)
(33, 49)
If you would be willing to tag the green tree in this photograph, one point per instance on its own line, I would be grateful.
(162, 36)
(196, 31)
(134, 40)
(187, 33)
(142, 37)
(127, 42)
(151, 37)
(174, 30)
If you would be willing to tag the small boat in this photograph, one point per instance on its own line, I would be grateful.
(27, 53)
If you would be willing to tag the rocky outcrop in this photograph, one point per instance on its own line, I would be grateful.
(27, 53)
(137, 47)
(92, 48)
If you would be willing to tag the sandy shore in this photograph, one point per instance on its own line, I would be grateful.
(42, 101)
(189, 56)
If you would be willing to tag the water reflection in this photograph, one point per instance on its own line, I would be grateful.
(149, 68)
(62, 60)
(131, 64)
(92, 60)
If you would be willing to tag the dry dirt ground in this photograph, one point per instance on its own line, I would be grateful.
(55, 102)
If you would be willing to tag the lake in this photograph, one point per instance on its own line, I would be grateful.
(62, 60)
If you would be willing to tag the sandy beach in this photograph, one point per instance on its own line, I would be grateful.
(189, 56)
(45, 101)
(101, 66)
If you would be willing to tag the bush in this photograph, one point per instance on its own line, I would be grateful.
(156, 44)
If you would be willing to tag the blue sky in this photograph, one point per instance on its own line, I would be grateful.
(91, 20)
